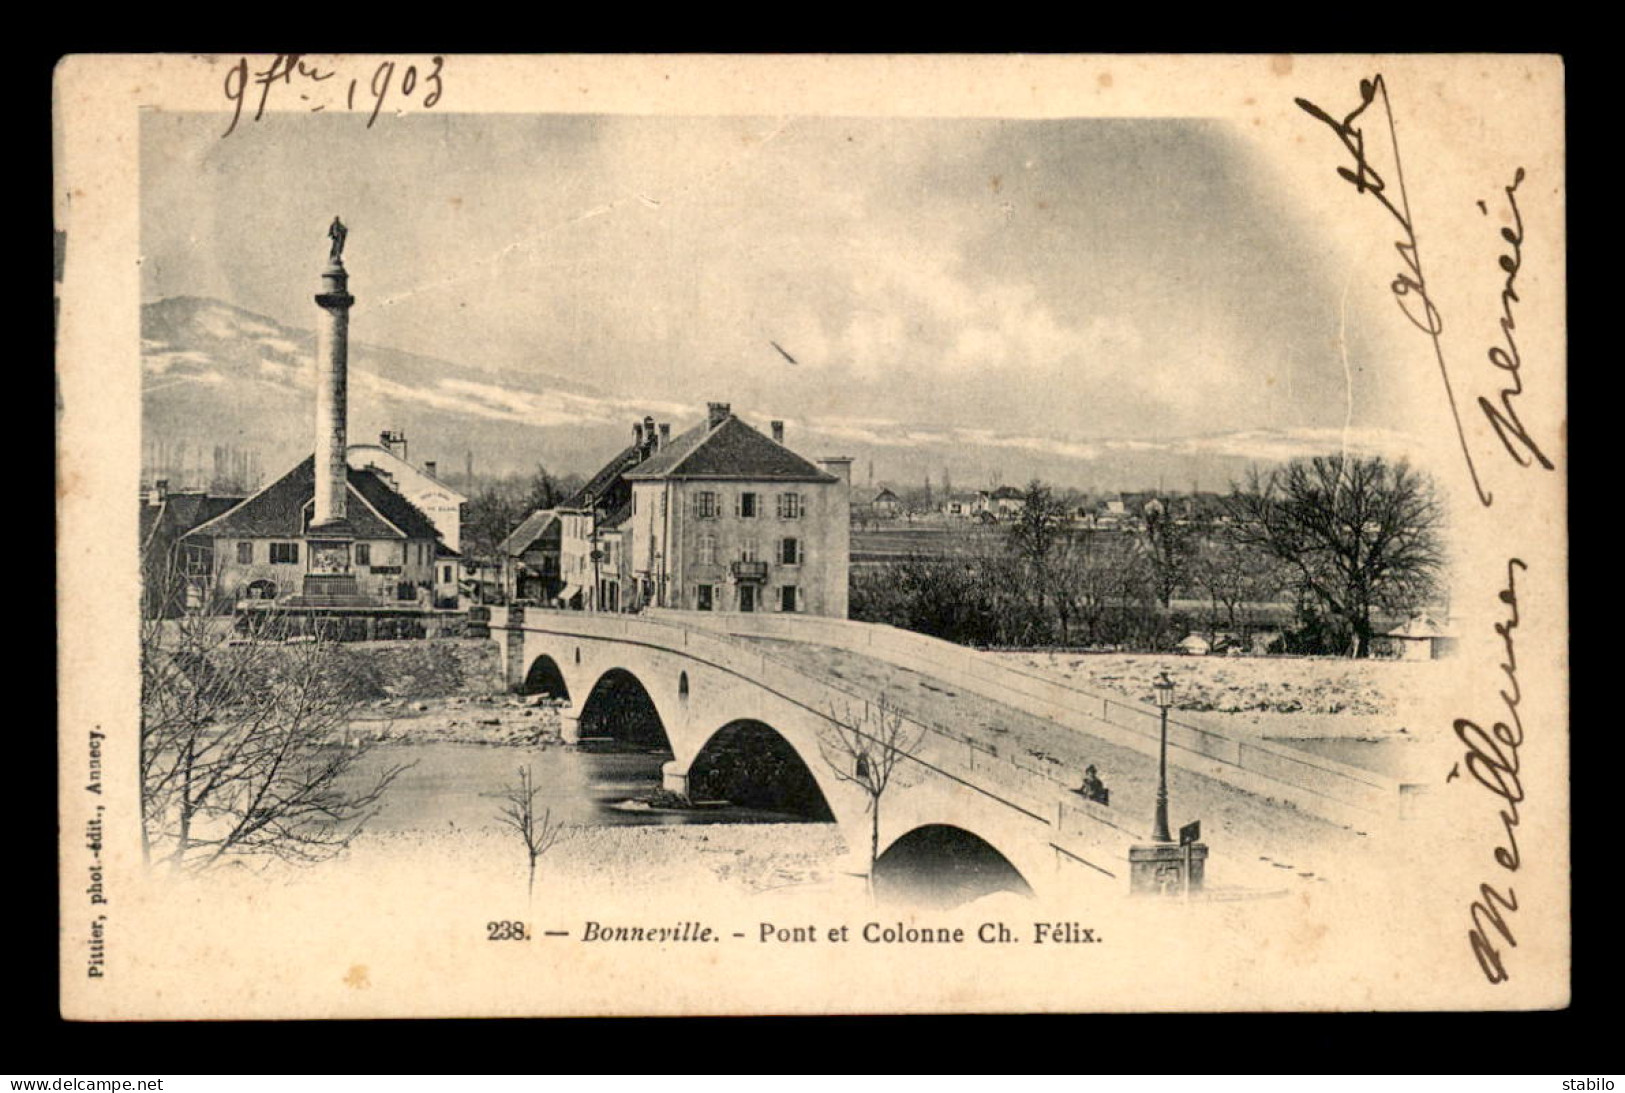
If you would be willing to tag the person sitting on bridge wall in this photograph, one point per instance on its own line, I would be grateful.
(1093, 788)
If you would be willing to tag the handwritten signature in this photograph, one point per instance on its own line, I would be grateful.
(295, 75)
(1492, 761)
(1410, 287)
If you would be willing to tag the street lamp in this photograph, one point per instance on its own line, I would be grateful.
(1164, 689)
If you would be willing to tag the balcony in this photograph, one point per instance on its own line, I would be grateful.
(749, 571)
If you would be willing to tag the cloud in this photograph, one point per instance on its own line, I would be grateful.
(493, 402)
(1262, 445)
(162, 362)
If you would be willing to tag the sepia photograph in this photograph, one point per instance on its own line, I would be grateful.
(572, 536)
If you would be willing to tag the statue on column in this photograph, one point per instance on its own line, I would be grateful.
(336, 232)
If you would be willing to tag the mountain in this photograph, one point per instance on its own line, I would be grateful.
(219, 379)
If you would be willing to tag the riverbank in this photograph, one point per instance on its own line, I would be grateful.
(494, 720)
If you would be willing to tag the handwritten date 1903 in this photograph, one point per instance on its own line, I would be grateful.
(295, 75)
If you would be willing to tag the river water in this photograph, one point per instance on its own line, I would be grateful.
(463, 785)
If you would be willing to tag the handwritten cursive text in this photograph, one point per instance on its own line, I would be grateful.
(1509, 428)
(1409, 286)
(1492, 762)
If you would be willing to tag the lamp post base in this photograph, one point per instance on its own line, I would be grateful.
(1165, 869)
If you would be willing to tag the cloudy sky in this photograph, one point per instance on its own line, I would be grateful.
(1044, 286)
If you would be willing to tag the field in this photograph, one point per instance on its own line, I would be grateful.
(892, 541)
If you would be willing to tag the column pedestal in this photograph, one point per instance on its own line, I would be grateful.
(1166, 869)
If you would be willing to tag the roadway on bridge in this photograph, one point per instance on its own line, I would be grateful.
(1274, 840)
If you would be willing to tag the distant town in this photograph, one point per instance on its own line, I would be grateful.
(722, 515)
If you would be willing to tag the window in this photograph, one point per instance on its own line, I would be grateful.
(747, 506)
(199, 561)
(708, 550)
(787, 596)
(245, 553)
(789, 506)
(705, 505)
(789, 552)
(748, 550)
(363, 554)
(703, 596)
(284, 553)
(445, 574)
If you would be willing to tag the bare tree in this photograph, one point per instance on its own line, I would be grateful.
(539, 833)
(243, 748)
(865, 752)
(1086, 578)
(490, 517)
(1034, 536)
(1233, 575)
(1358, 534)
(1168, 546)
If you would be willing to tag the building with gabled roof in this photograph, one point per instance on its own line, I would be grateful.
(530, 558)
(170, 585)
(881, 504)
(1422, 637)
(724, 518)
(257, 549)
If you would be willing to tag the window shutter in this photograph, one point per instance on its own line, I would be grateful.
(801, 504)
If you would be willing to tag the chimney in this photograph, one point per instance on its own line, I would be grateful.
(428, 467)
(778, 432)
(161, 488)
(394, 442)
(716, 413)
(665, 433)
(651, 442)
(838, 465)
(637, 435)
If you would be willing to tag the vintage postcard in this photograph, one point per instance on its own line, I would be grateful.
(564, 535)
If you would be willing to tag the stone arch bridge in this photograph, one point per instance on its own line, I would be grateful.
(987, 787)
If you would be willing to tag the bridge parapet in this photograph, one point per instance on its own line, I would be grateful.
(1323, 787)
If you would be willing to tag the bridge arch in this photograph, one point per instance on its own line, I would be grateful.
(545, 677)
(944, 865)
(750, 763)
(619, 707)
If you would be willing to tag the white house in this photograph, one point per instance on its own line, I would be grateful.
(436, 500)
